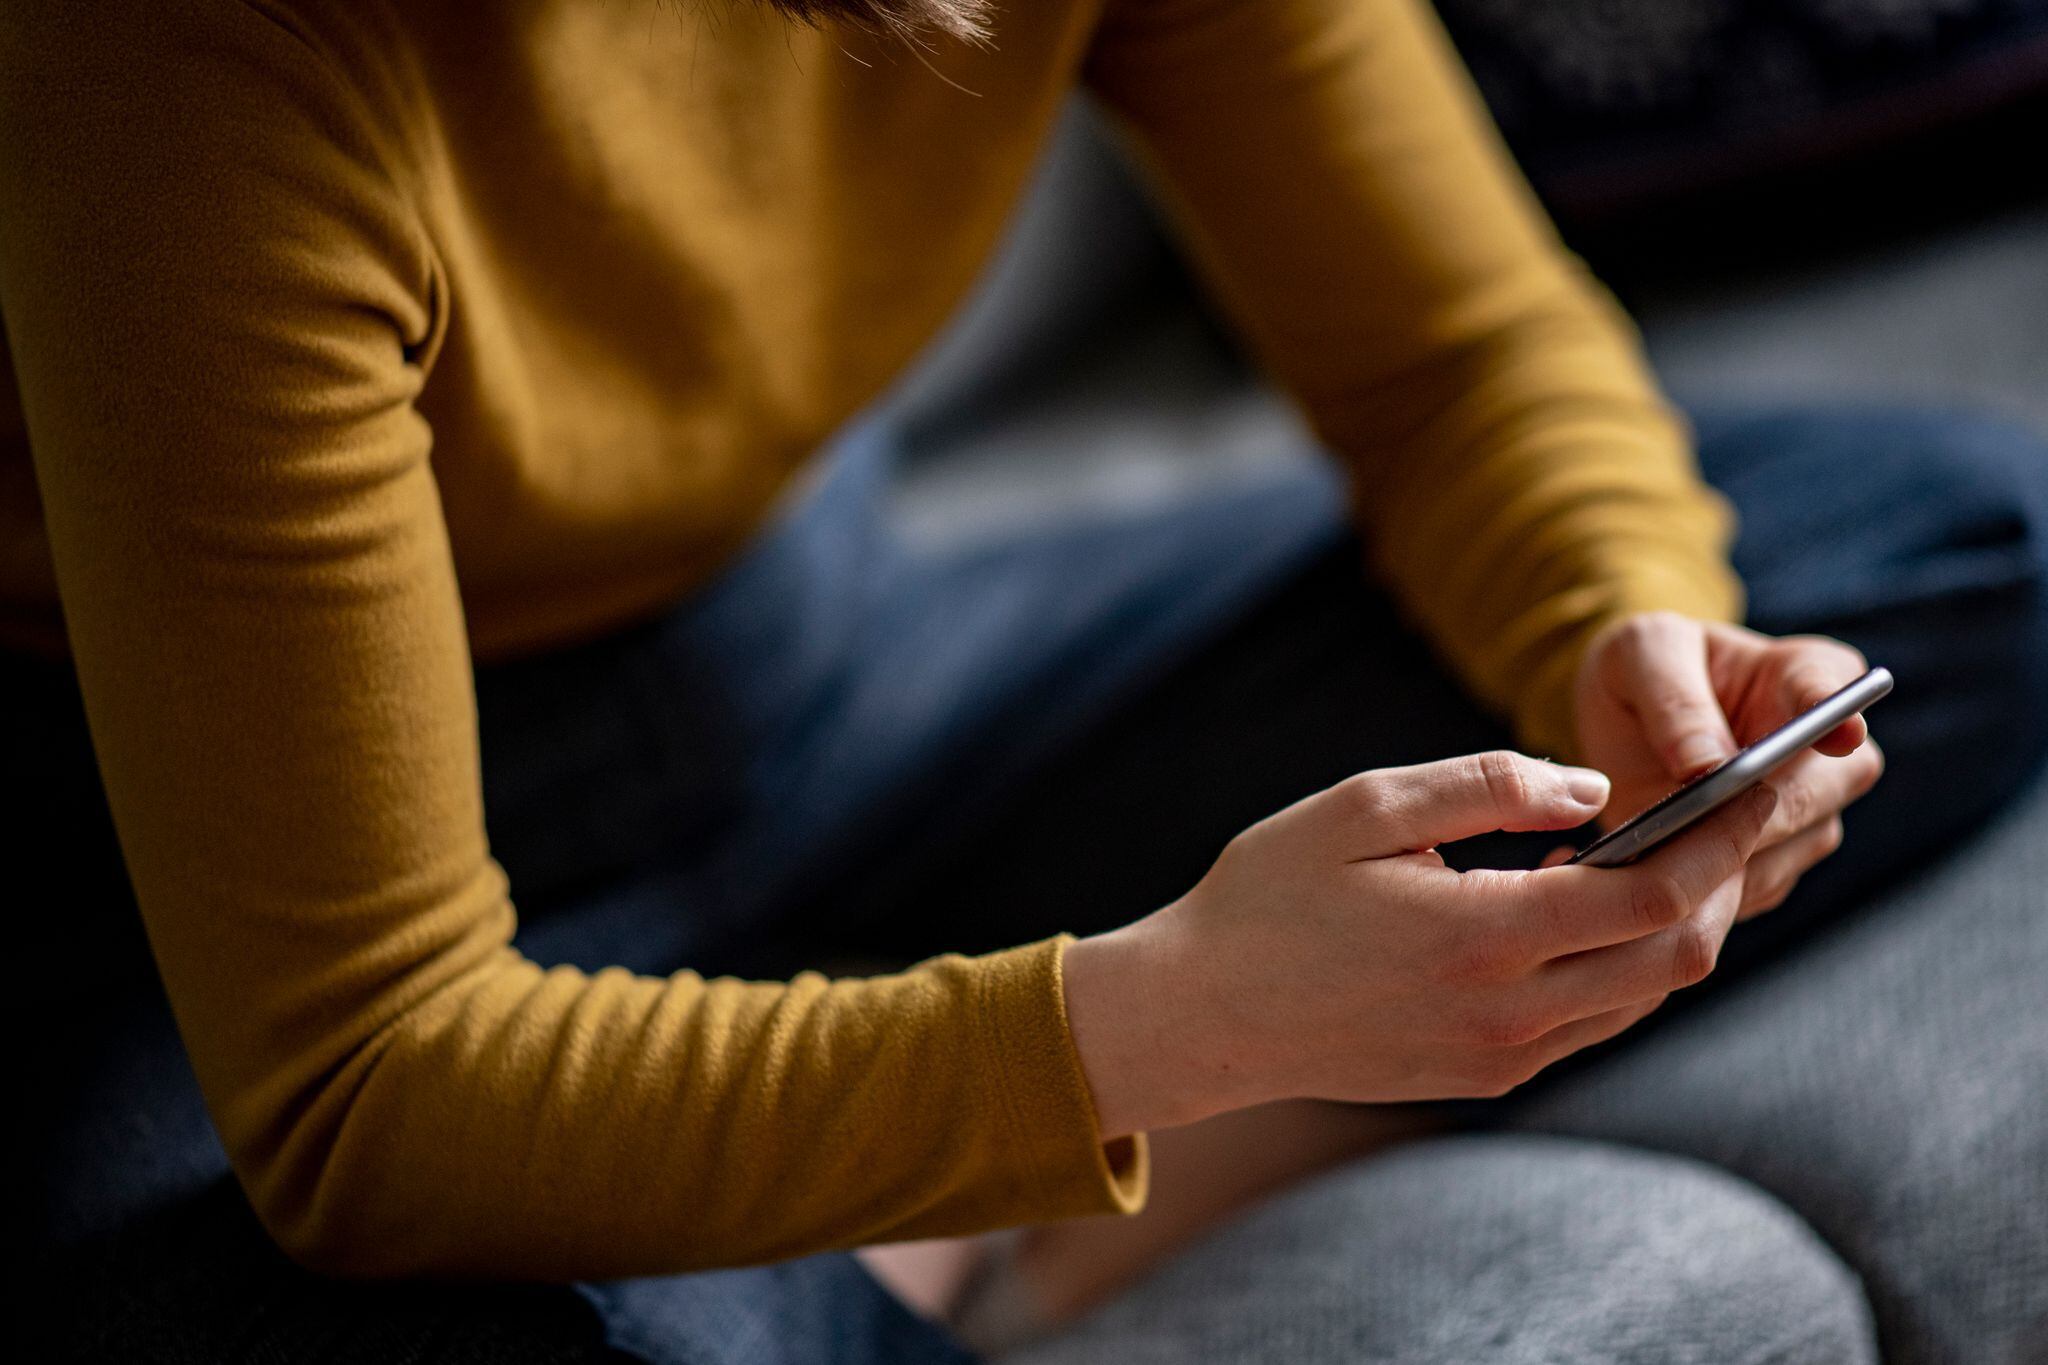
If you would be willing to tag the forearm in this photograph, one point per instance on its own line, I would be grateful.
(1515, 471)
(1529, 490)
(554, 1125)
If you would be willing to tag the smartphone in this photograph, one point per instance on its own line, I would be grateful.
(1717, 786)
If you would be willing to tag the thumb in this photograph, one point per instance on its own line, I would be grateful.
(1659, 672)
(1405, 810)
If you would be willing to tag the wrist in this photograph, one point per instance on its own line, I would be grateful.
(1154, 1047)
(1545, 694)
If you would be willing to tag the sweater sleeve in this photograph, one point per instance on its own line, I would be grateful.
(221, 310)
(1515, 473)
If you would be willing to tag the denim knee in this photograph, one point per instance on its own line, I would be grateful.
(1920, 535)
(2000, 470)
(1849, 508)
(1990, 477)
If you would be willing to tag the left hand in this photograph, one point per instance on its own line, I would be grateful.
(1662, 698)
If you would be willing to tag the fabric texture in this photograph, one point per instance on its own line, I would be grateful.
(1503, 1250)
(1913, 534)
(1198, 665)
(1888, 1088)
(352, 340)
(1890, 1085)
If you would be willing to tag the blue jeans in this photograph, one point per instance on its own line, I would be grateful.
(844, 748)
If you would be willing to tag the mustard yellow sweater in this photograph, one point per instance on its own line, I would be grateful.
(354, 338)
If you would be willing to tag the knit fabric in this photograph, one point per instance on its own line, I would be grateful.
(354, 339)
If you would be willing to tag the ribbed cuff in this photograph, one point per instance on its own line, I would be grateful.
(1029, 1049)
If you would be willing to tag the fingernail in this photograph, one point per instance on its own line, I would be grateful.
(1588, 788)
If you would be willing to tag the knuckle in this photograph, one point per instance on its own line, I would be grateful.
(1640, 1011)
(1830, 836)
(1656, 902)
(1240, 847)
(1483, 1087)
(1840, 649)
(1797, 806)
(1503, 1026)
(1476, 957)
(1491, 1077)
(1809, 676)
(1504, 777)
(1653, 624)
(1365, 794)
(1734, 851)
(1633, 631)
(1770, 894)
(1695, 948)
(1756, 813)
(1643, 632)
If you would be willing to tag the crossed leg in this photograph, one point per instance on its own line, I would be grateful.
(1919, 537)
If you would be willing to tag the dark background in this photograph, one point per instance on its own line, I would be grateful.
(1806, 199)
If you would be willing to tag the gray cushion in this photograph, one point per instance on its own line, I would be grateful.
(1890, 1083)
(1495, 1250)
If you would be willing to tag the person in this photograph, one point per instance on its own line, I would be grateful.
(425, 410)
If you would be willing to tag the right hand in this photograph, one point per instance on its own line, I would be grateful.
(1330, 953)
